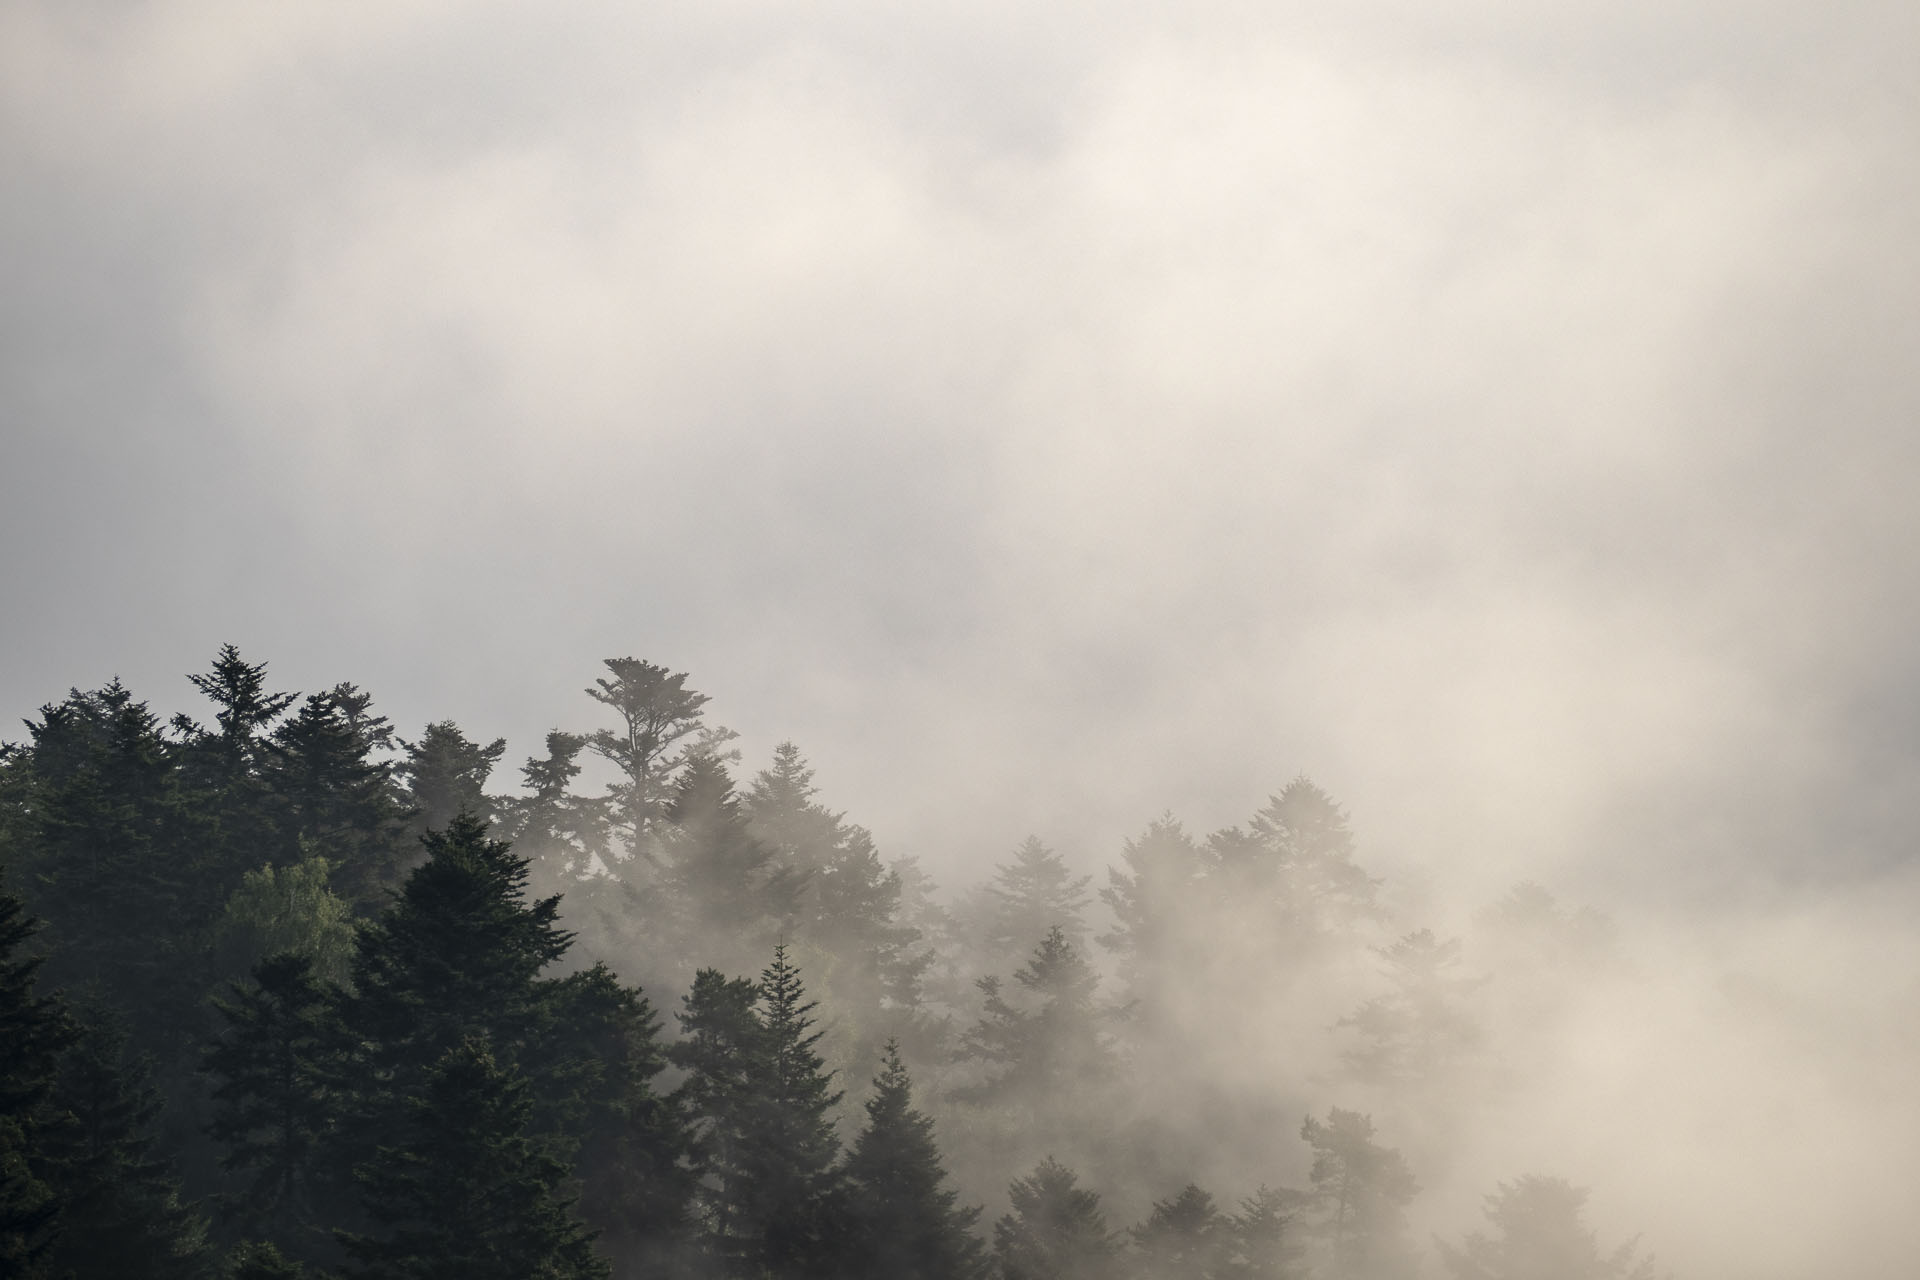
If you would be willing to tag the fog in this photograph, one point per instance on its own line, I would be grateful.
(1054, 416)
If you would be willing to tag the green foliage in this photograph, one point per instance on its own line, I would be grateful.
(287, 909)
(1056, 1230)
(904, 1220)
(1539, 1235)
(465, 1194)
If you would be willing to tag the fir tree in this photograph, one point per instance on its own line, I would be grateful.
(721, 1051)
(1037, 1049)
(795, 1197)
(226, 767)
(725, 890)
(1262, 1234)
(1155, 933)
(466, 1194)
(556, 830)
(1056, 1230)
(905, 1223)
(1422, 1027)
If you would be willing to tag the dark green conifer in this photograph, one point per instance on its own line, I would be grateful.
(445, 775)
(272, 1103)
(34, 1031)
(905, 1222)
(465, 1194)
(335, 796)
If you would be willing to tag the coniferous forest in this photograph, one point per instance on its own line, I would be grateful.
(286, 990)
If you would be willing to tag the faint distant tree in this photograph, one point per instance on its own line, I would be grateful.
(1359, 1193)
(660, 720)
(1156, 934)
(445, 774)
(1033, 892)
(1423, 1025)
(1529, 927)
(1298, 853)
(558, 831)
(1047, 1042)
(726, 894)
(1264, 1243)
(1184, 1238)
(1056, 1230)
(1539, 1235)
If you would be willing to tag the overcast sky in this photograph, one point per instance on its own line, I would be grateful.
(1045, 414)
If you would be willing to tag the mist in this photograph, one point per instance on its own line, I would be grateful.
(1053, 418)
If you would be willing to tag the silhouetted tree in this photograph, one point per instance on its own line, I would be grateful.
(906, 1224)
(660, 718)
(334, 797)
(466, 1194)
(34, 1031)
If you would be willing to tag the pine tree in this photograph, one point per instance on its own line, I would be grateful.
(272, 1103)
(1184, 1238)
(1541, 1237)
(226, 767)
(466, 1194)
(1359, 1191)
(1056, 1230)
(905, 1223)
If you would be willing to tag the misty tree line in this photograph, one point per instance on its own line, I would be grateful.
(285, 994)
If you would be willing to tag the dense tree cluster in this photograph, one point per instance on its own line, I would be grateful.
(285, 994)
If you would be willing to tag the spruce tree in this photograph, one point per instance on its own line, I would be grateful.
(1056, 1230)
(721, 1050)
(905, 1222)
(335, 795)
(726, 894)
(1263, 1234)
(466, 1194)
(1050, 1040)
